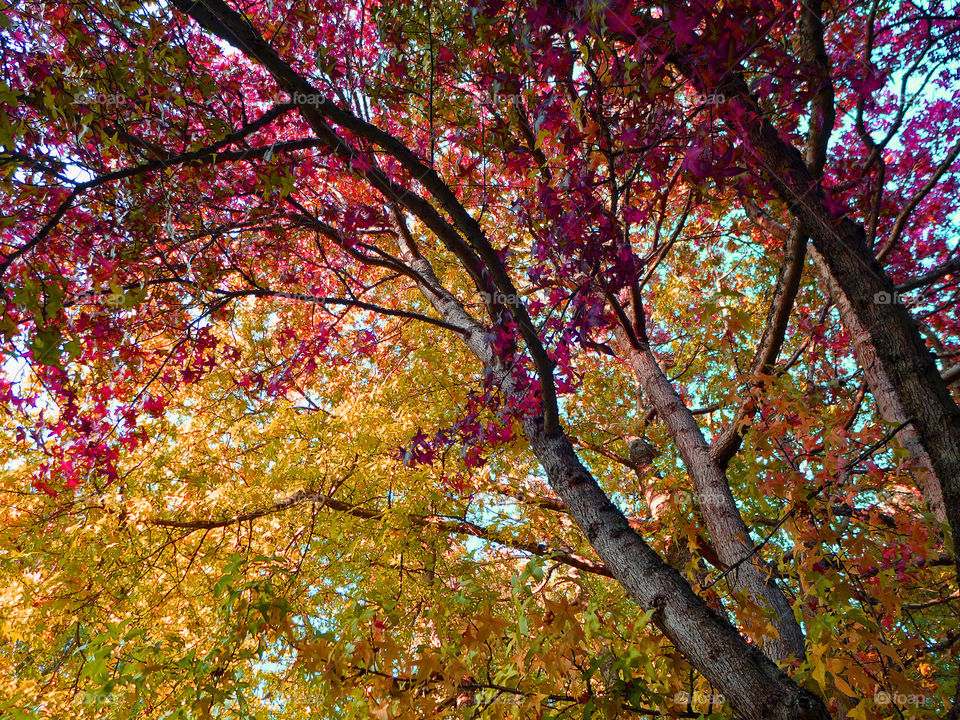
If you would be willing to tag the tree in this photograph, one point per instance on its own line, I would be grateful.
(333, 332)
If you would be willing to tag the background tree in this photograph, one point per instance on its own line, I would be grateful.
(452, 359)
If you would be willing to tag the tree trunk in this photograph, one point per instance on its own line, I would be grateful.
(886, 328)
(888, 402)
(752, 683)
(728, 532)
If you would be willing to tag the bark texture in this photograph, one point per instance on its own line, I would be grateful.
(903, 372)
(728, 532)
(884, 392)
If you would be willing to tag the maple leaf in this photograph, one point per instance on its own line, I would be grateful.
(683, 26)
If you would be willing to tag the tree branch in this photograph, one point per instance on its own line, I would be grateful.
(456, 527)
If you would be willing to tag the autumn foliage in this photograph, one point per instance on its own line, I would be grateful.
(477, 359)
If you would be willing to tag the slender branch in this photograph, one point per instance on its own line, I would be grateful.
(728, 442)
(208, 155)
(457, 527)
(948, 268)
(359, 304)
(901, 222)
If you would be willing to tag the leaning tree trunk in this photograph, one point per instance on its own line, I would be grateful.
(888, 401)
(728, 532)
(752, 683)
(887, 331)
(902, 370)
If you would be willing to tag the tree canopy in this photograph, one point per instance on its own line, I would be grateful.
(501, 359)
